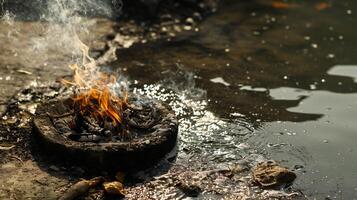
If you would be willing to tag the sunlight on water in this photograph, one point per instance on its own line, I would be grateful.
(210, 137)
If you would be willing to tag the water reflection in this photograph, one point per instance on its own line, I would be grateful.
(328, 143)
(224, 99)
(276, 74)
(202, 134)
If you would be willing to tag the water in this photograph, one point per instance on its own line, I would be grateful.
(284, 78)
(253, 80)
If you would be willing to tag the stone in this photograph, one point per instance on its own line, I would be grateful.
(271, 174)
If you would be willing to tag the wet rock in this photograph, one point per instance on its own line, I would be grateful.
(270, 174)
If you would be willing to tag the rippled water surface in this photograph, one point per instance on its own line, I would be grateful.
(280, 80)
(256, 79)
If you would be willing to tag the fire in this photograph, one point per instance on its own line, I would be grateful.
(93, 96)
(101, 103)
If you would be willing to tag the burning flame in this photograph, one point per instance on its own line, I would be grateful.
(94, 96)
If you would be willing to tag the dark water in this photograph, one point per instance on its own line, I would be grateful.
(283, 80)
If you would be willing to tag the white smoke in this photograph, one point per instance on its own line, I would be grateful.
(65, 21)
(42, 32)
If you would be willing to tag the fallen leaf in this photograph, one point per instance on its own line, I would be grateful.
(114, 188)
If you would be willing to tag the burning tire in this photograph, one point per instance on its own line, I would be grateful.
(148, 141)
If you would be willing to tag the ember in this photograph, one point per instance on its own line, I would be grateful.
(94, 100)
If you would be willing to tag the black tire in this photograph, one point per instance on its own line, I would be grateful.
(139, 153)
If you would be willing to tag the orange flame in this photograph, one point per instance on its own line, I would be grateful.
(94, 96)
(101, 104)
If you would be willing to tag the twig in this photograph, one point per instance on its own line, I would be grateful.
(17, 158)
(7, 148)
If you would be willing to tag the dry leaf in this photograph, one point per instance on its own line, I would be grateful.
(114, 188)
